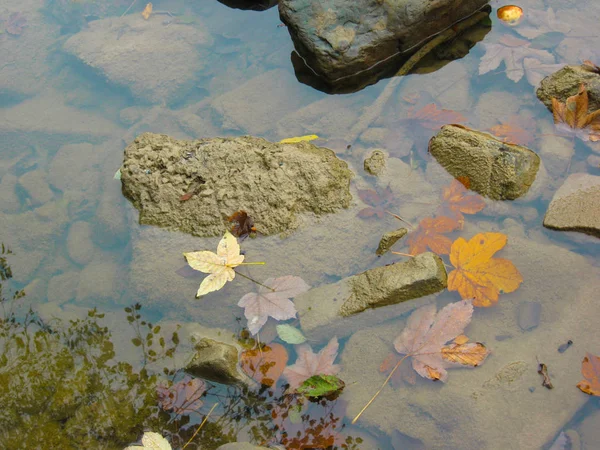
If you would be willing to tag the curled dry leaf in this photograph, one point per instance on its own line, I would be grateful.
(425, 336)
(183, 396)
(265, 365)
(458, 200)
(242, 224)
(573, 118)
(309, 363)
(590, 369)
(274, 302)
(219, 266)
(430, 234)
(478, 276)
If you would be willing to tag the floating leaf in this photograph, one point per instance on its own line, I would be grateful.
(219, 266)
(272, 301)
(147, 11)
(590, 369)
(151, 441)
(430, 234)
(290, 335)
(183, 396)
(572, 116)
(266, 364)
(309, 363)
(242, 224)
(319, 386)
(295, 140)
(478, 276)
(117, 175)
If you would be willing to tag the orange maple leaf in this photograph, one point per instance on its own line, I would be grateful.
(512, 131)
(265, 365)
(456, 201)
(477, 274)
(430, 234)
(572, 116)
(590, 369)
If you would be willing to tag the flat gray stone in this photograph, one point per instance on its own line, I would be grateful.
(333, 308)
(495, 169)
(576, 205)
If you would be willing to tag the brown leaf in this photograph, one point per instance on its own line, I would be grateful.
(457, 199)
(425, 336)
(429, 234)
(432, 118)
(590, 66)
(264, 365)
(590, 369)
(512, 131)
(242, 224)
(573, 117)
(478, 276)
(378, 202)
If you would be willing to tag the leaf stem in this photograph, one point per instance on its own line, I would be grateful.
(254, 281)
(200, 427)
(380, 389)
(401, 219)
(258, 263)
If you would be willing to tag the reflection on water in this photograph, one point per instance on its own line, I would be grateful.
(78, 82)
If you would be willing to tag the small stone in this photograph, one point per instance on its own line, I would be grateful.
(389, 239)
(375, 163)
(216, 361)
(495, 169)
(36, 185)
(574, 206)
(529, 315)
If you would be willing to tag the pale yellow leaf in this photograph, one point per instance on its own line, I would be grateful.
(295, 140)
(205, 261)
(215, 281)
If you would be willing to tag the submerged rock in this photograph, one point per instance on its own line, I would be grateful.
(325, 308)
(495, 169)
(375, 163)
(193, 186)
(216, 361)
(338, 38)
(389, 239)
(529, 315)
(565, 83)
(575, 206)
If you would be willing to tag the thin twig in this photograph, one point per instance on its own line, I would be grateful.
(200, 427)
(380, 389)
(403, 254)
(401, 219)
(130, 6)
(254, 281)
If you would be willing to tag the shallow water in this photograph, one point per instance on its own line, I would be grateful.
(77, 244)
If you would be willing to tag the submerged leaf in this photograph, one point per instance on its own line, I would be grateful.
(458, 200)
(309, 363)
(273, 301)
(590, 369)
(290, 335)
(266, 364)
(430, 234)
(478, 276)
(183, 396)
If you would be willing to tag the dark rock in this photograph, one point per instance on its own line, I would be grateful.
(389, 239)
(216, 361)
(575, 206)
(254, 5)
(338, 38)
(529, 315)
(194, 186)
(495, 169)
(565, 83)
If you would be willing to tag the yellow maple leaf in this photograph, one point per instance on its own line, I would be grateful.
(147, 11)
(295, 140)
(477, 274)
(219, 265)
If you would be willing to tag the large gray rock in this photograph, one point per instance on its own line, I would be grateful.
(328, 309)
(274, 183)
(565, 83)
(158, 63)
(576, 205)
(338, 38)
(457, 414)
(494, 168)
